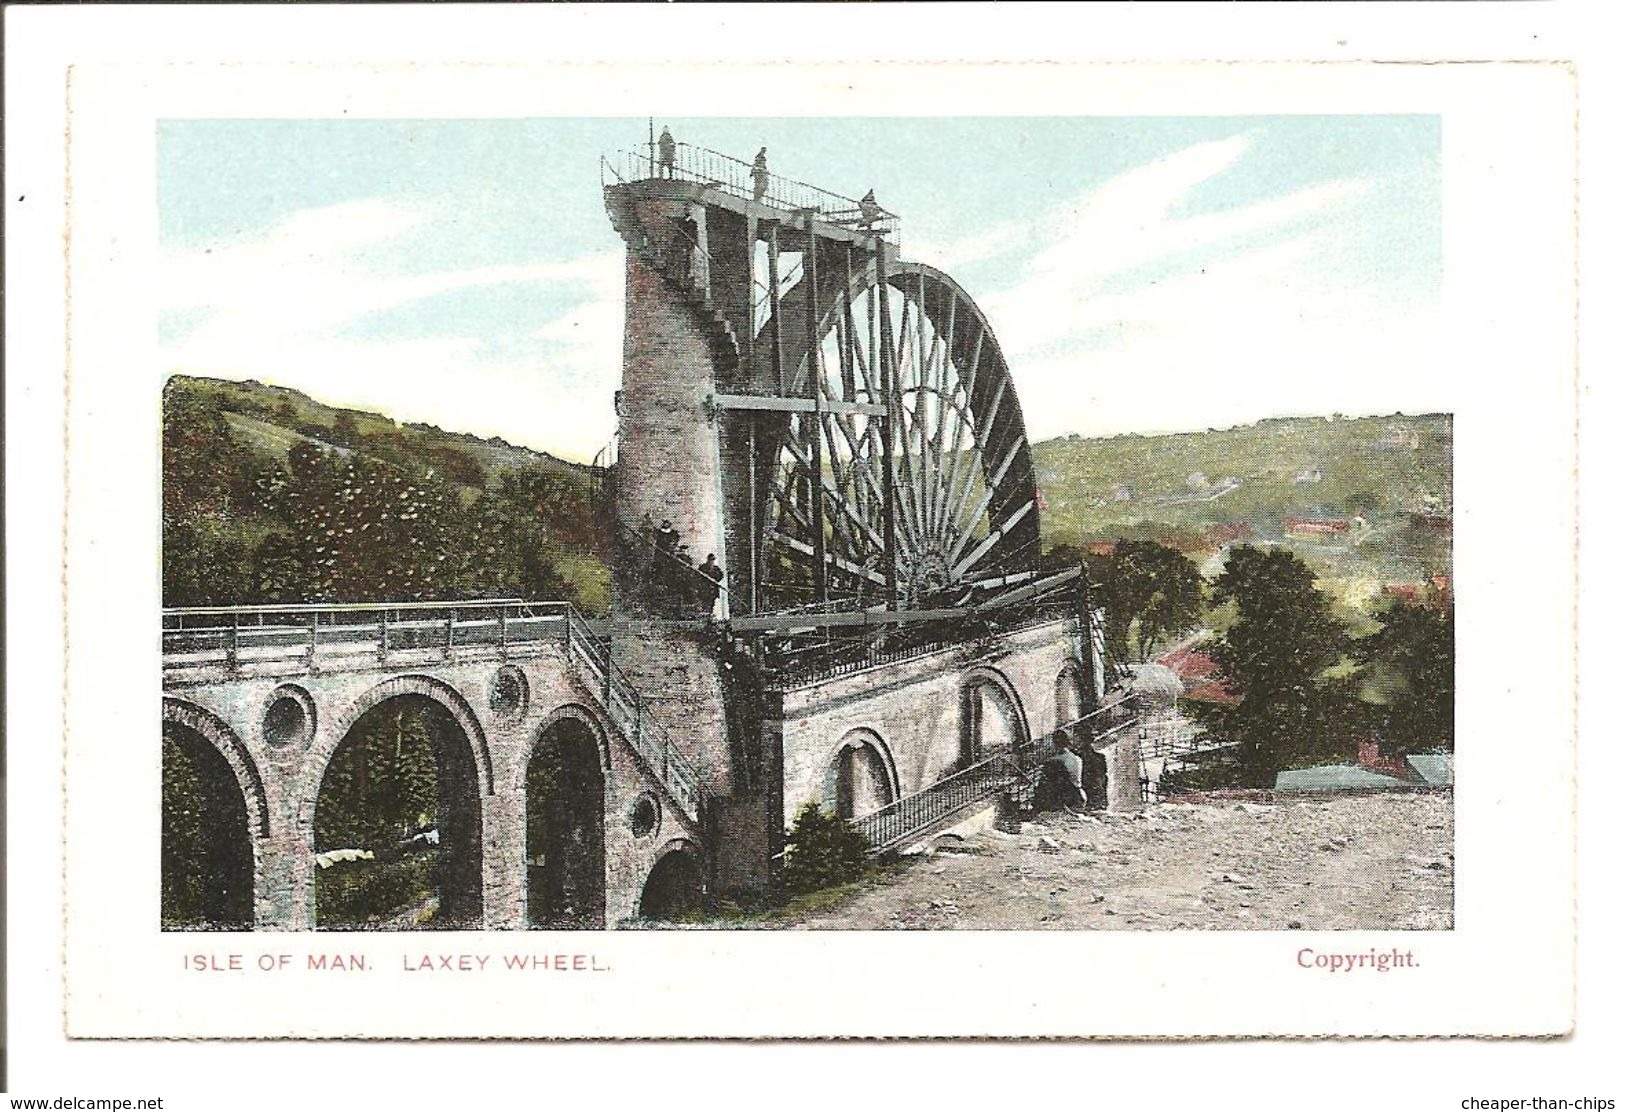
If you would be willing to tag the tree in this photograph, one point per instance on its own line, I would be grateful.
(1149, 591)
(821, 851)
(1275, 655)
(345, 431)
(1411, 665)
(381, 784)
(207, 479)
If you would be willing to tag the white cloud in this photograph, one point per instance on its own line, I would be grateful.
(276, 304)
(1133, 316)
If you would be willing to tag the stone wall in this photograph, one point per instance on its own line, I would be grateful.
(668, 466)
(916, 708)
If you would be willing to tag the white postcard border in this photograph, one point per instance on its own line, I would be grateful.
(1507, 968)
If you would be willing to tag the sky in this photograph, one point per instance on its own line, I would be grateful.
(1141, 274)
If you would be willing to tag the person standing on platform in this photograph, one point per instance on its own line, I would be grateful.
(758, 174)
(668, 154)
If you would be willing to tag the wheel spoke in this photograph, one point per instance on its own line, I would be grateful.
(969, 387)
(982, 503)
(841, 562)
(993, 537)
(981, 443)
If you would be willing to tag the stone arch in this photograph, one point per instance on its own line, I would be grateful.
(564, 785)
(578, 712)
(1069, 694)
(463, 776)
(860, 775)
(973, 727)
(328, 741)
(230, 746)
(213, 821)
(676, 881)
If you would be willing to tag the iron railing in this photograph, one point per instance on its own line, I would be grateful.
(737, 178)
(810, 664)
(914, 814)
(1013, 769)
(325, 634)
(628, 711)
(313, 636)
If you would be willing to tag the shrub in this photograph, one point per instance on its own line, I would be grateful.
(822, 851)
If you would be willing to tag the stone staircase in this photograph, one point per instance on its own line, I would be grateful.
(656, 255)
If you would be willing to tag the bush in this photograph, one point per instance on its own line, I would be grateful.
(822, 851)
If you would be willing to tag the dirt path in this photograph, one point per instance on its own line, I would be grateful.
(1374, 862)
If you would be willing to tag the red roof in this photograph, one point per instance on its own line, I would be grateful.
(1315, 524)
(1199, 673)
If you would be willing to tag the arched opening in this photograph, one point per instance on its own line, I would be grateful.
(990, 720)
(398, 823)
(207, 849)
(859, 780)
(564, 829)
(675, 886)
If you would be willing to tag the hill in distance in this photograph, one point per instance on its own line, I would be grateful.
(1365, 500)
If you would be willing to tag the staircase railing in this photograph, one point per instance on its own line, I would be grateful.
(915, 814)
(629, 712)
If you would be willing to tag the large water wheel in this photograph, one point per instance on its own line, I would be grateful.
(913, 398)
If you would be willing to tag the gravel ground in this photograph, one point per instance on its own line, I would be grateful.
(1327, 863)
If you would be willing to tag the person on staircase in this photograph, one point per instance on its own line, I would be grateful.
(709, 590)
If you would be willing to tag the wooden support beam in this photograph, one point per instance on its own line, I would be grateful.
(815, 379)
(770, 404)
(888, 376)
(766, 623)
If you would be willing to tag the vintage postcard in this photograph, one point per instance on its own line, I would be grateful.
(552, 556)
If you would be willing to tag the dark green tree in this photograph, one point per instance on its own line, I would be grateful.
(1275, 656)
(381, 784)
(208, 478)
(1411, 666)
(1149, 591)
(821, 850)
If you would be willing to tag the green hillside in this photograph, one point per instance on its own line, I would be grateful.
(272, 496)
(1386, 479)
(466, 516)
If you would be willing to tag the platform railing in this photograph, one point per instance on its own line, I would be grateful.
(738, 178)
(328, 633)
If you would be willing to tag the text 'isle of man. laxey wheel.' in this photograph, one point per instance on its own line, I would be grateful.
(965, 511)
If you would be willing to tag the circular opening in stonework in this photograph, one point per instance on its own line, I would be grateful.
(289, 717)
(509, 692)
(645, 816)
